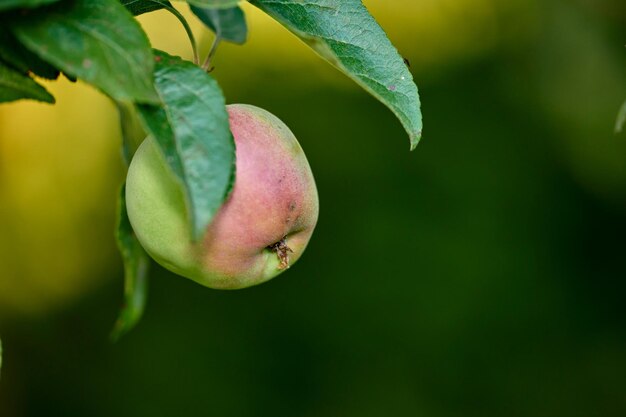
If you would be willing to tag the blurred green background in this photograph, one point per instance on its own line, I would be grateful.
(481, 275)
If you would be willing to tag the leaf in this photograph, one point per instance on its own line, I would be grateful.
(227, 24)
(193, 133)
(214, 4)
(137, 7)
(16, 55)
(14, 4)
(344, 33)
(136, 266)
(15, 86)
(621, 118)
(97, 41)
(132, 130)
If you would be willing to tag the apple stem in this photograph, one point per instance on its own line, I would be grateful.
(183, 21)
(282, 251)
(207, 62)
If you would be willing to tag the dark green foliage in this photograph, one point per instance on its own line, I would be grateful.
(227, 24)
(15, 86)
(23, 4)
(214, 4)
(136, 267)
(137, 7)
(97, 41)
(23, 60)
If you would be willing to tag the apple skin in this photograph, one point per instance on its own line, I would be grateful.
(274, 198)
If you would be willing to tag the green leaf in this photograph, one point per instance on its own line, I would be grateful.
(193, 133)
(15, 4)
(214, 4)
(136, 266)
(132, 130)
(97, 41)
(621, 118)
(137, 7)
(227, 24)
(15, 86)
(344, 33)
(16, 55)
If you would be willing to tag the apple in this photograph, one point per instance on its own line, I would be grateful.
(261, 229)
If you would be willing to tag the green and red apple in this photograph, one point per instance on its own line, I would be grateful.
(263, 226)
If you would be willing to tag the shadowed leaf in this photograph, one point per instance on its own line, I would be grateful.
(228, 24)
(138, 7)
(131, 129)
(136, 266)
(26, 4)
(97, 41)
(214, 4)
(16, 55)
(15, 86)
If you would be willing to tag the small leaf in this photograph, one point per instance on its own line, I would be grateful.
(15, 4)
(193, 133)
(344, 33)
(214, 4)
(621, 118)
(227, 24)
(15, 86)
(16, 55)
(137, 7)
(132, 130)
(97, 41)
(136, 266)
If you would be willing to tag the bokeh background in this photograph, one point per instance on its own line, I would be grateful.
(481, 275)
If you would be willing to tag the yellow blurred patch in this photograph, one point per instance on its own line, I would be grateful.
(59, 168)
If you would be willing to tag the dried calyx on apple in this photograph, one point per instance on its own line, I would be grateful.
(261, 229)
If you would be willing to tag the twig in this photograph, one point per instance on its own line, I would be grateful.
(207, 62)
